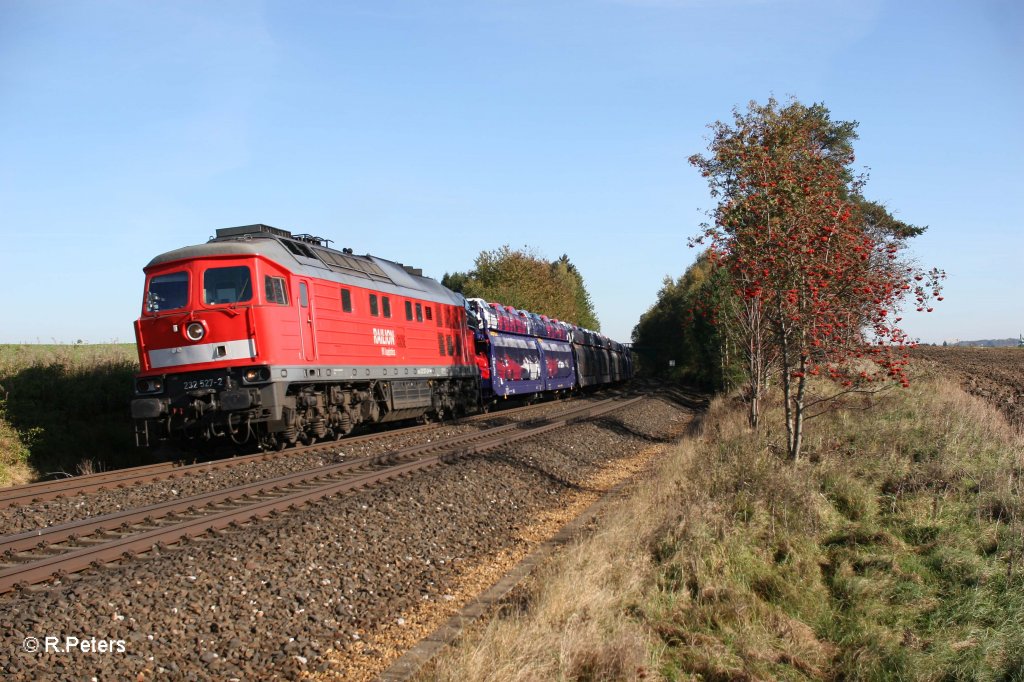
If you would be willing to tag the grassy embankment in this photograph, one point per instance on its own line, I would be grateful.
(64, 408)
(894, 552)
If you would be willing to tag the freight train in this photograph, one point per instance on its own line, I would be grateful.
(269, 338)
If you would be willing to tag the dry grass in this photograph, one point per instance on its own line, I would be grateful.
(896, 550)
(574, 625)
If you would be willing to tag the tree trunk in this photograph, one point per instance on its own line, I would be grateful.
(754, 399)
(798, 413)
(723, 362)
(787, 383)
(755, 360)
(794, 401)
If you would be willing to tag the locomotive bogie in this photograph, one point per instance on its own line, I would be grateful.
(320, 402)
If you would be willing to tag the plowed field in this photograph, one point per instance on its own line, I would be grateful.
(995, 374)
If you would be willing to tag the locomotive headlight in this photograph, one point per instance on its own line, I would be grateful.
(195, 331)
(256, 374)
(149, 385)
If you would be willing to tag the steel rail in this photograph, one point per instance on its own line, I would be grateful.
(30, 492)
(43, 491)
(77, 485)
(72, 530)
(39, 570)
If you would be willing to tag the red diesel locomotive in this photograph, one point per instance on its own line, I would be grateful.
(265, 336)
(270, 338)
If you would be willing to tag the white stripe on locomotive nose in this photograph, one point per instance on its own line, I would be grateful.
(240, 349)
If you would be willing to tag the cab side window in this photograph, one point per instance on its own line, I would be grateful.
(273, 289)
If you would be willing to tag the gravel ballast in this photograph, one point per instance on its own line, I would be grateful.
(64, 510)
(309, 590)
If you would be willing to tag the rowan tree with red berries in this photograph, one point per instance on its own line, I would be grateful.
(818, 270)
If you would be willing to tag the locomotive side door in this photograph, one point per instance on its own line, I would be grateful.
(307, 329)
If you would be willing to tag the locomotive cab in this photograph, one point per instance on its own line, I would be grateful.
(199, 347)
(191, 314)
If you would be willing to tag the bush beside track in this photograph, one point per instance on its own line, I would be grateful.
(64, 408)
(895, 552)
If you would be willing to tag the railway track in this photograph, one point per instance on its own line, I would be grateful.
(31, 493)
(36, 556)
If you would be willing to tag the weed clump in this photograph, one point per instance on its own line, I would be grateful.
(14, 452)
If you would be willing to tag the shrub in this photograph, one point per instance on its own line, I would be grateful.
(65, 404)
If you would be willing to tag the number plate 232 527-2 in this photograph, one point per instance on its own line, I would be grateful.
(192, 384)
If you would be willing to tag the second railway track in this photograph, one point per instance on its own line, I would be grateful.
(36, 556)
(31, 493)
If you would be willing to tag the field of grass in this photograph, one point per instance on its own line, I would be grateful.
(896, 551)
(65, 407)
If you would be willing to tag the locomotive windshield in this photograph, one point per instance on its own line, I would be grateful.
(227, 285)
(167, 292)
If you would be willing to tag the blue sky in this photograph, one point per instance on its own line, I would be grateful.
(426, 132)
